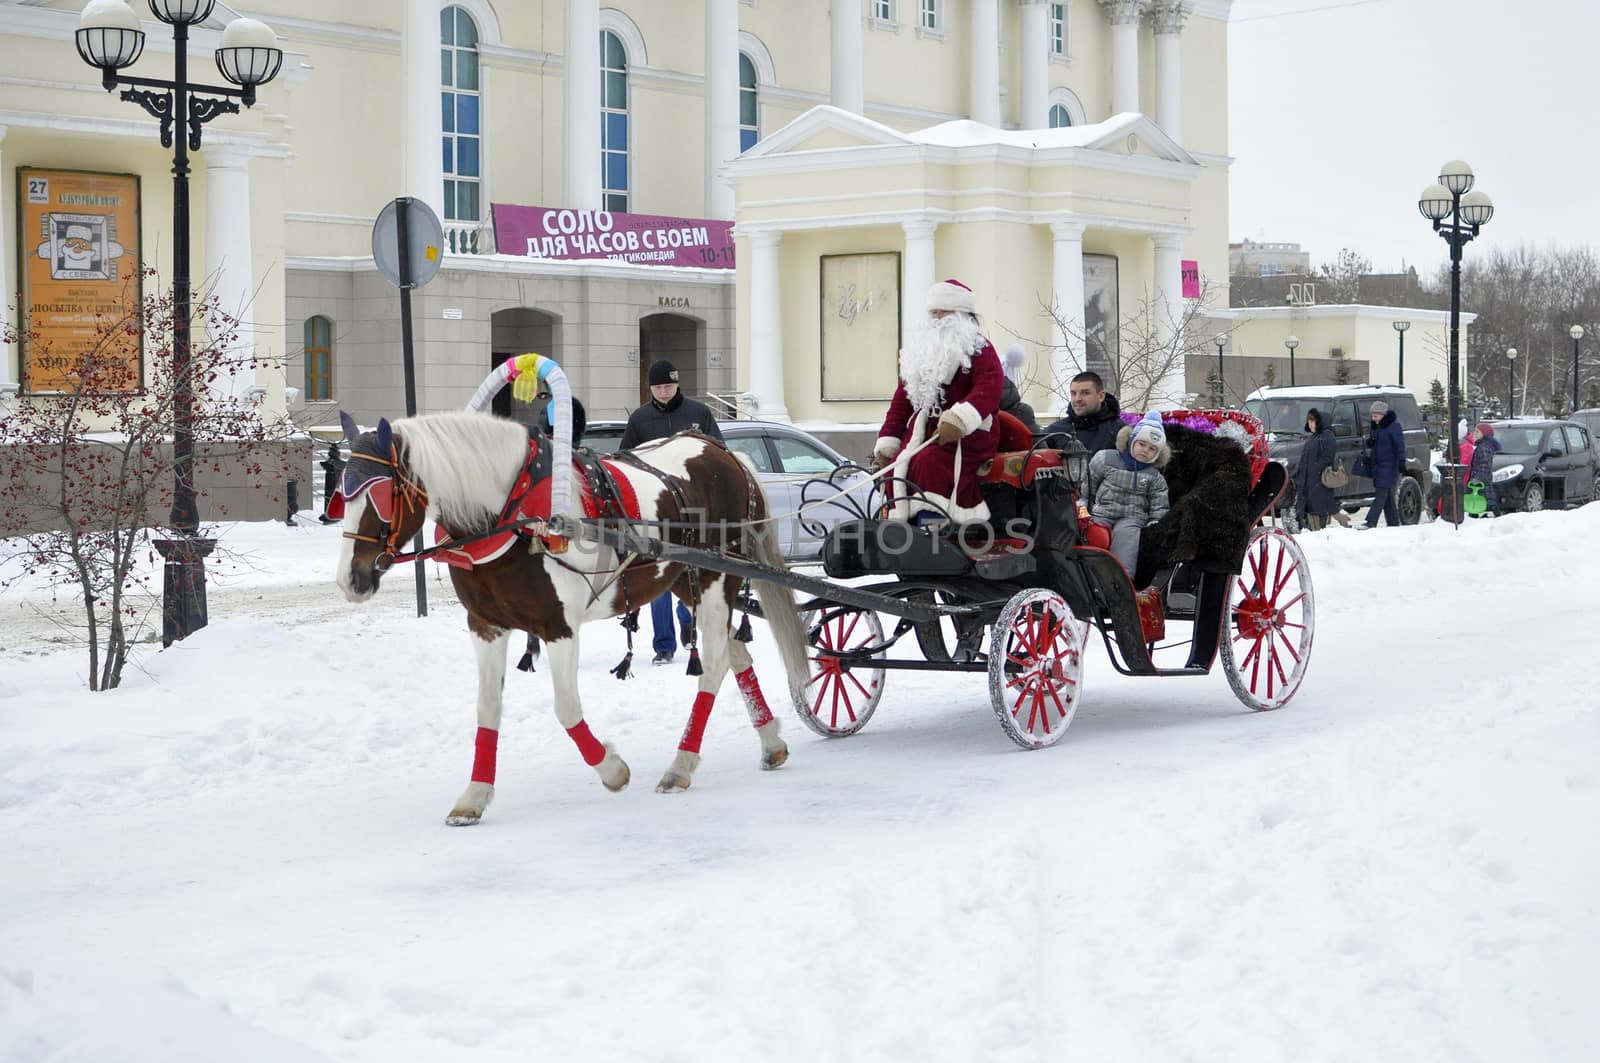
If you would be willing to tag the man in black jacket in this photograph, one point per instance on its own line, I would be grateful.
(1095, 419)
(667, 413)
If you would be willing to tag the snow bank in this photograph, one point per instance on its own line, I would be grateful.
(1398, 865)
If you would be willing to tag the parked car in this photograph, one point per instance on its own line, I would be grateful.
(1590, 419)
(1347, 407)
(1544, 463)
(786, 458)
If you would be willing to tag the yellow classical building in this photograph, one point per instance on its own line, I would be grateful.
(1070, 154)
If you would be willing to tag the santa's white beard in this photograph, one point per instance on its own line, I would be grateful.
(935, 354)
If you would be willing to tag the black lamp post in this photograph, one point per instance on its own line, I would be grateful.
(1576, 332)
(1400, 328)
(1468, 212)
(1292, 342)
(109, 38)
(1511, 381)
(1222, 380)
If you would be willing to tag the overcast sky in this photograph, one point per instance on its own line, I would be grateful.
(1341, 115)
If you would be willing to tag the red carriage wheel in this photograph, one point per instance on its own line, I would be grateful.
(1270, 621)
(838, 700)
(1036, 667)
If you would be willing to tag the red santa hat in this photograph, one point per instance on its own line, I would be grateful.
(953, 296)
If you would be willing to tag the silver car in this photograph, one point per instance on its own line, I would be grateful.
(787, 459)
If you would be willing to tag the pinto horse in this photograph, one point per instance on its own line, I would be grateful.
(462, 469)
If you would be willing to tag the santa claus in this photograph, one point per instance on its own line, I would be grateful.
(950, 385)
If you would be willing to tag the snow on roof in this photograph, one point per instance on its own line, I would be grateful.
(1318, 390)
(966, 133)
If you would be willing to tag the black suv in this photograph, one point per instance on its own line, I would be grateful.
(1347, 408)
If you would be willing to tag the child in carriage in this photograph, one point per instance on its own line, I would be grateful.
(1126, 488)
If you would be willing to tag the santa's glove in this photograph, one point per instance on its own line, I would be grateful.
(883, 452)
(950, 427)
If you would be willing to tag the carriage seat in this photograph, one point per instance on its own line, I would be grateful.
(1015, 463)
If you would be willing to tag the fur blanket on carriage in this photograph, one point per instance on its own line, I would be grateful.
(1209, 524)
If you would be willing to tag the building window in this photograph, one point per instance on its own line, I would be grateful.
(749, 110)
(1059, 116)
(1058, 29)
(883, 10)
(613, 122)
(460, 107)
(319, 359)
(928, 16)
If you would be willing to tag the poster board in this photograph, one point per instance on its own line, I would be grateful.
(1102, 316)
(860, 334)
(78, 251)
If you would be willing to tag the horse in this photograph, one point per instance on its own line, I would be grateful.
(462, 469)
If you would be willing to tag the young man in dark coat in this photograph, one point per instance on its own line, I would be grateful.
(1387, 461)
(667, 413)
(1314, 503)
(1095, 419)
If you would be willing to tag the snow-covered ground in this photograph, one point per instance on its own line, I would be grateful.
(241, 855)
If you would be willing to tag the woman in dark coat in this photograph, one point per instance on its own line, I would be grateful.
(1314, 502)
(1485, 447)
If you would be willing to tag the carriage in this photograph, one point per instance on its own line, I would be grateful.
(542, 540)
(1015, 599)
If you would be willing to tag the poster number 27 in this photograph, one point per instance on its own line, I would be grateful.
(38, 190)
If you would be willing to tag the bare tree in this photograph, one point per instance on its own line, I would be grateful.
(1339, 281)
(91, 466)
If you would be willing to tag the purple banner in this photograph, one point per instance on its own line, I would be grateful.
(643, 239)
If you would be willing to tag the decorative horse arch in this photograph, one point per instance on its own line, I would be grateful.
(489, 488)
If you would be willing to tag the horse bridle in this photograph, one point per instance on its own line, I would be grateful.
(413, 497)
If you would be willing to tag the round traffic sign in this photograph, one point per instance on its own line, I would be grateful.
(424, 239)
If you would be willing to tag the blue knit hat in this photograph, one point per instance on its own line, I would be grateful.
(1149, 429)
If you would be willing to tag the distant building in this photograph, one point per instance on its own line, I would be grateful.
(1252, 259)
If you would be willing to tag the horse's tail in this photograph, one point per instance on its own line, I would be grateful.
(777, 601)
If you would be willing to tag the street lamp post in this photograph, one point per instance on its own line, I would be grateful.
(1468, 212)
(1222, 380)
(1576, 332)
(109, 38)
(1400, 328)
(1511, 381)
(1292, 342)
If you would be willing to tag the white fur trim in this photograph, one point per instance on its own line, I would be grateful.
(886, 446)
(968, 415)
(945, 295)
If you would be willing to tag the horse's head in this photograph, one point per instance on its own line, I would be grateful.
(382, 504)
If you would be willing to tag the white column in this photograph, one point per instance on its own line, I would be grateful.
(1167, 21)
(844, 69)
(1124, 18)
(1169, 312)
(916, 276)
(766, 326)
(8, 382)
(1067, 293)
(229, 276)
(421, 174)
(1034, 16)
(722, 101)
(983, 90)
(582, 74)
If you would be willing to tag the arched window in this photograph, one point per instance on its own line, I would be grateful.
(319, 359)
(749, 112)
(461, 110)
(1065, 108)
(613, 122)
(1059, 116)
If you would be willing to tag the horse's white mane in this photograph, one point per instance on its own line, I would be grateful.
(467, 462)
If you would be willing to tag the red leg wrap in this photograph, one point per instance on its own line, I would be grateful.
(697, 722)
(589, 746)
(760, 715)
(483, 755)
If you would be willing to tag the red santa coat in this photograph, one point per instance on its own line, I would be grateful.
(947, 472)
